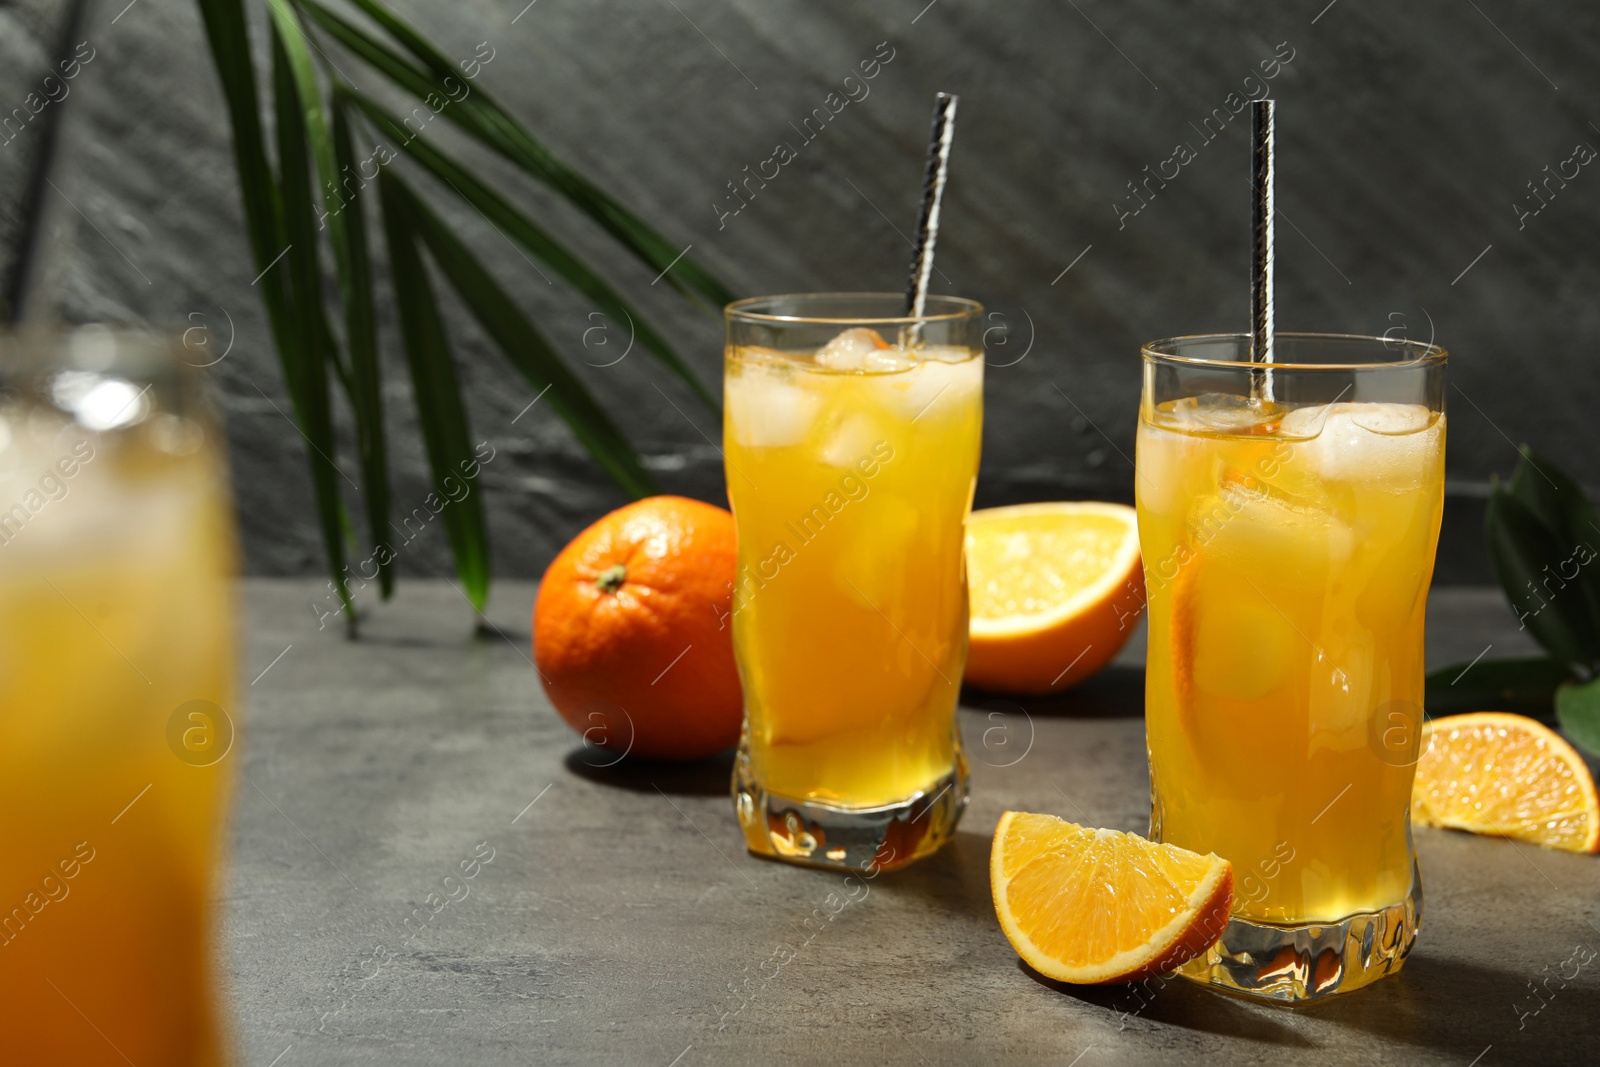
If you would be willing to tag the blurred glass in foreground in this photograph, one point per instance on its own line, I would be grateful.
(117, 713)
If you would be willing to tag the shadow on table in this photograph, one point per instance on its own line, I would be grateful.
(398, 629)
(1176, 1002)
(1432, 1003)
(1115, 693)
(1456, 1004)
(954, 879)
(709, 777)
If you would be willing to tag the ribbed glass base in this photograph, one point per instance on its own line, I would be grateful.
(821, 835)
(1293, 964)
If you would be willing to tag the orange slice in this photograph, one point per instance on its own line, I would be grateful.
(1495, 773)
(1055, 589)
(1095, 906)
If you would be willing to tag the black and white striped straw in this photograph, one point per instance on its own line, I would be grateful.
(933, 182)
(1261, 179)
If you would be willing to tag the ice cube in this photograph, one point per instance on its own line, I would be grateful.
(862, 349)
(1306, 422)
(1388, 420)
(1162, 459)
(944, 353)
(1391, 420)
(1215, 413)
(769, 406)
(1339, 712)
(1259, 528)
(1394, 446)
(851, 440)
(934, 387)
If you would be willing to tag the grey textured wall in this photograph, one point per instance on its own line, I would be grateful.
(1408, 134)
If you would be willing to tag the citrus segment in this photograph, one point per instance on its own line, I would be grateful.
(1095, 906)
(1505, 775)
(1055, 591)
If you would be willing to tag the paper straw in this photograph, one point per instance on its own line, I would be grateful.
(1261, 176)
(944, 122)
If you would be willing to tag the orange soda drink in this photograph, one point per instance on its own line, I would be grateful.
(850, 469)
(116, 728)
(1288, 550)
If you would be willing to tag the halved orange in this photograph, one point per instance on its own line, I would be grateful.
(1055, 589)
(1095, 906)
(1491, 772)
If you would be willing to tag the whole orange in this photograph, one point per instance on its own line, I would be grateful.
(632, 635)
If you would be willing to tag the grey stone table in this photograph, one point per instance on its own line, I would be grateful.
(581, 914)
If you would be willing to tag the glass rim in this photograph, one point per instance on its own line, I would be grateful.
(1427, 354)
(14, 333)
(32, 335)
(960, 308)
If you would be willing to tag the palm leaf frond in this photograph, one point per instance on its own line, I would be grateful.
(517, 226)
(305, 356)
(438, 394)
(476, 112)
(523, 345)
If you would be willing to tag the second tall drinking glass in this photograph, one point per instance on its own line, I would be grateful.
(852, 436)
(1288, 517)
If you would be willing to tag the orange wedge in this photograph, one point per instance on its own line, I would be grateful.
(1055, 589)
(1095, 906)
(1505, 775)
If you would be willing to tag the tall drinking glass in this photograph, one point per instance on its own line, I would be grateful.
(1288, 518)
(852, 435)
(116, 701)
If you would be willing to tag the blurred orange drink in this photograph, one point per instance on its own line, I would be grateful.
(116, 733)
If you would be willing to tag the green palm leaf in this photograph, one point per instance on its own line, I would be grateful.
(227, 32)
(361, 333)
(438, 394)
(516, 225)
(331, 151)
(480, 115)
(1558, 502)
(523, 345)
(1525, 686)
(317, 185)
(1523, 552)
(304, 357)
